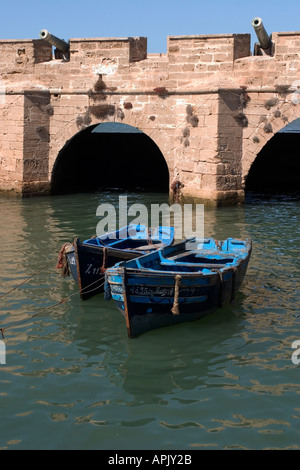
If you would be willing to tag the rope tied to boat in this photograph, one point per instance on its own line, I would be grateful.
(104, 262)
(48, 307)
(176, 189)
(26, 280)
(62, 262)
(175, 308)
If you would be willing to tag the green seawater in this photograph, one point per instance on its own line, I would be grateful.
(74, 380)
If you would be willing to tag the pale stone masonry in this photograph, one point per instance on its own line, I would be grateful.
(208, 104)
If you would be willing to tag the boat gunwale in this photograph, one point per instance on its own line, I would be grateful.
(113, 271)
(148, 272)
(151, 236)
(112, 250)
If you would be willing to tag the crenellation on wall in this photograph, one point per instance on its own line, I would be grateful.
(241, 46)
(19, 56)
(126, 50)
(218, 51)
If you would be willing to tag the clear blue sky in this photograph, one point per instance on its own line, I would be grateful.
(155, 19)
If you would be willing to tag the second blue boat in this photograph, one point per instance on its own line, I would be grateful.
(88, 260)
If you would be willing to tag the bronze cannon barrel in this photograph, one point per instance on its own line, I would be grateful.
(60, 44)
(262, 35)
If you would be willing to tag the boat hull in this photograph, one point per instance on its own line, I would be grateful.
(88, 264)
(89, 260)
(149, 300)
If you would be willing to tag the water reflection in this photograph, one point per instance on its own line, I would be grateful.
(226, 381)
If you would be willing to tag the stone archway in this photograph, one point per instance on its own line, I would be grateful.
(109, 155)
(276, 168)
(260, 138)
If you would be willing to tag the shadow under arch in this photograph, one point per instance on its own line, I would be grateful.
(109, 155)
(276, 168)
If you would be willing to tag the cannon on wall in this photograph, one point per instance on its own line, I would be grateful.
(262, 35)
(60, 45)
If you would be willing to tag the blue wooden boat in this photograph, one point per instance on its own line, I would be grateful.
(178, 283)
(88, 260)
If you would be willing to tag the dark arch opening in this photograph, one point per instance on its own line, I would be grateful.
(109, 156)
(276, 168)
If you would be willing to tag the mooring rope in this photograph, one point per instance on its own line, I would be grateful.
(104, 261)
(175, 308)
(83, 291)
(62, 262)
(62, 301)
(25, 280)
